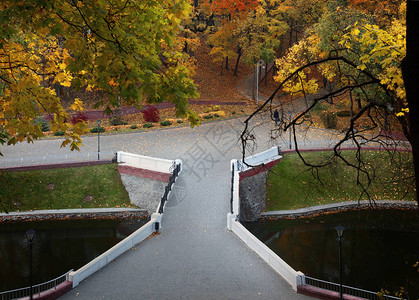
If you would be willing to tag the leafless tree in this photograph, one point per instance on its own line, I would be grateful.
(365, 94)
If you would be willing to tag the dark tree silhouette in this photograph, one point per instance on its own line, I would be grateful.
(377, 112)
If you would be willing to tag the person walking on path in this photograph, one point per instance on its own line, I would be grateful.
(276, 117)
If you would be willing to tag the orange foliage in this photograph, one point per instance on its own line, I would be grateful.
(385, 10)
(233, 8)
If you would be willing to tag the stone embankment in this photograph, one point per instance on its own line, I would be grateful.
(338, 207)
(74, 214)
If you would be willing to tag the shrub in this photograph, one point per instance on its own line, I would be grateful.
(166, 123)
(344, 113)
(148, 125)
(94, 129)
(179, 121)
(151, 114)
(216, 108)
(319, 107)
(329, 119)
(45, 127)
(43, 123)
(134, 126)
(59, 133)
(207, 110)
(117, 120)
(233, 112)
(79, 117)
(208, 117)
(216, 115)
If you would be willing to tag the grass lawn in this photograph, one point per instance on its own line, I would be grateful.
(292, 185)
(85, 187)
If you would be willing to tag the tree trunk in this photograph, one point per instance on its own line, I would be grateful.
(410, 67)
(358, 100)
(386, 125)
(237, 61)
(281, 45)
(291, 29)
(227, 63)
(222, 67)
(254, 83)
(266, 74)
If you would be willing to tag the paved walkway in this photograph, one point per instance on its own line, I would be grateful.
(195, 256)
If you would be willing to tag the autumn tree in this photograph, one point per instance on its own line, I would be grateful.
(239, 23)
(253, 39)
(298, 15)
(364, 61)
(127, 49)
(384, 11)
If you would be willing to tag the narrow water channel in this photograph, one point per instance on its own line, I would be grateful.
(380, 247)
(58, 247)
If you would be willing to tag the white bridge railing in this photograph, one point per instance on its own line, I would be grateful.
(295, 278)
(36, 289)
(346, 290)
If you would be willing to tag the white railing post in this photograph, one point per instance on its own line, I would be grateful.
(301, 278)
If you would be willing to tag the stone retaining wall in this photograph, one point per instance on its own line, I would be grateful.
(58, 166)
(252, 193)
(337, 207)
(84, 214)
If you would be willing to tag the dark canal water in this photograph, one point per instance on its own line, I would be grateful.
(59, 246)
(380, 247)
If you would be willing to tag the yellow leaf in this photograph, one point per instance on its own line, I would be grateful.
(355, 31)
(77, 105)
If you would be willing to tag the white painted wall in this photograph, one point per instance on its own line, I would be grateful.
(278, 264)
(99, 262)
(271, 258)
(145, 162)
(236, 184)
(260, 158)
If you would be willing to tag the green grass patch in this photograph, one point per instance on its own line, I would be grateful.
(85, 187)
(293, 185)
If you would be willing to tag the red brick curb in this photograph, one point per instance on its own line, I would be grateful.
(128, 110)
(259, 169)
(346, 149)
(60, 290)
(58, 166)
(143, 173)
(322, 294)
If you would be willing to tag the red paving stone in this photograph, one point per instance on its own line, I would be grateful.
(143, 173)
(129, 110)
(58, 166)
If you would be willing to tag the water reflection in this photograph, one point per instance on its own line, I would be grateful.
(380, 247)
(58, 247)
